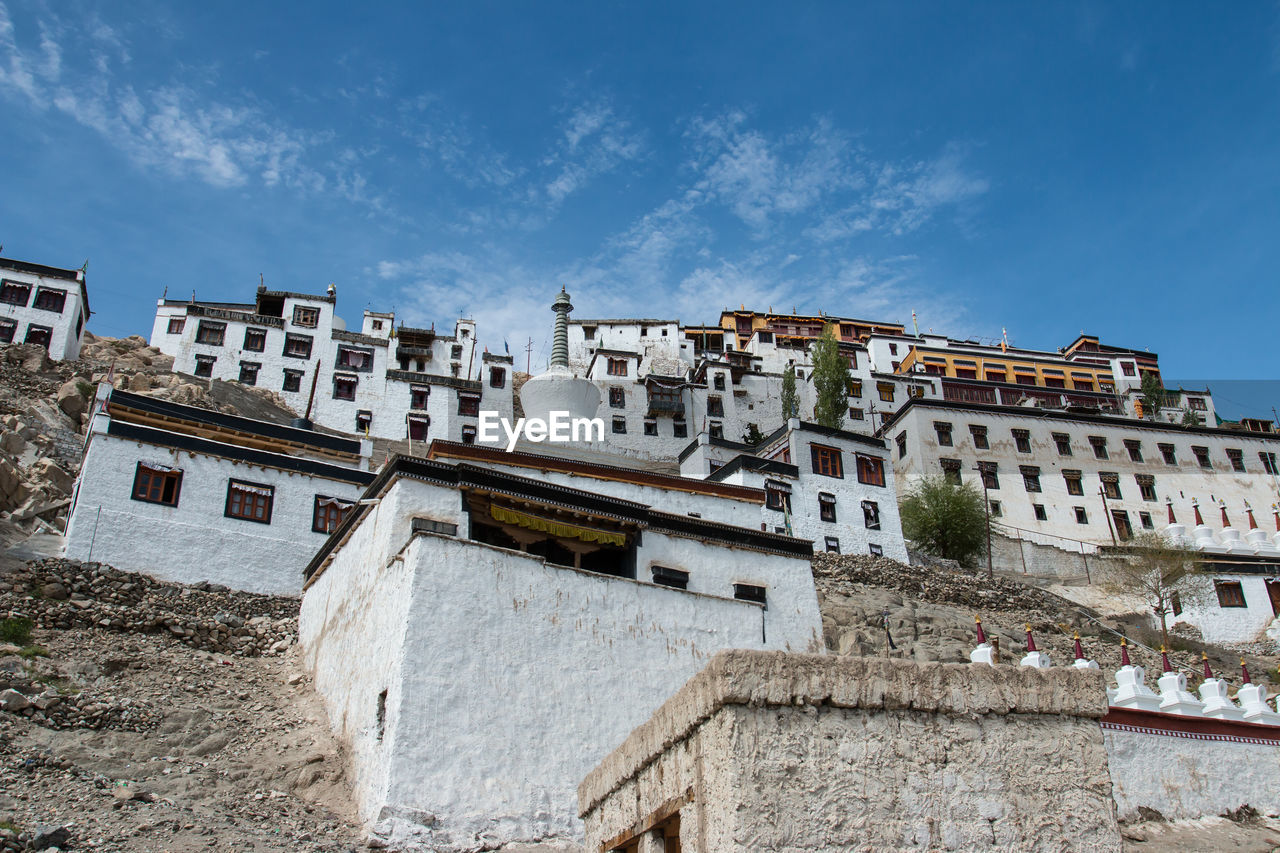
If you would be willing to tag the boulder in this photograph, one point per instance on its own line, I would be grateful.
(12, 700)
(72, 398)
(48, 471)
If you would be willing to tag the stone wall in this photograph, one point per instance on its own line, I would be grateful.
(769, 751)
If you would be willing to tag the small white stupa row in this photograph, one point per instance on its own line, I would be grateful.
(1228, 540)
(1131, 689)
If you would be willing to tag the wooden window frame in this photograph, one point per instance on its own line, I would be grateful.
(827, 461)
(870, 469)
(827, 507)
(243, 488)
(145, 480)
(13, 288)
(176, 325)
(255, 340)
(1230, 593)
(339, 506)
(208, 330)
(306, 316)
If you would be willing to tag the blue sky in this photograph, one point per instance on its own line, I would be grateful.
(1042, 167)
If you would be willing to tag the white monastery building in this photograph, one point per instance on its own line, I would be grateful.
(579, 595)
(190, 495)
(43, 305)
(383, 381)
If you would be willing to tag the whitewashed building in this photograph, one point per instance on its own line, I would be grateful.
(1075, 482)
(190, 495)
(43, 305)
(383, 381)
(512, 627)
(833, 487)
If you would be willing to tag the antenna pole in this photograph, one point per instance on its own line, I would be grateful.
(528, 355)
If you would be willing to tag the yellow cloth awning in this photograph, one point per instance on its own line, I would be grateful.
(556, 528)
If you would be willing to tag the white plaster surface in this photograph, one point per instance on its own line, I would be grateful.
(1188, 778)
(194, 541)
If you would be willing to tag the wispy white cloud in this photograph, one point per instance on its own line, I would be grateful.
(595, 141)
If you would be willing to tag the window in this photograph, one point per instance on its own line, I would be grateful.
(871, 515)
(893, 349)
(1237, 458)
(619, 426)
(468, 434)
(255, 340)
(297, 346)
(589, 333)
(377, 325)
(328, 513)
(54, 300)
(1170, 455)
(916, 391)
(1197, 404)
(617, 398)
(1030, 477)
(1074, 481)
(1175, 603)
(716, 430)
(854, 388)
(39, 335)
(943, 429)
(875, 550)
(7, 330)
(718, 382)
(749, 592)
(364, 420)
(15, 293)
(249, 501)
(497, 377)
(979, 434)
(1082, 517)
(1147, 486)
(777, 495)
(886, 391)
(211, 333)
(856, 414)
(1063, 442)
(468, 404)
(996, 510)
(1041, 515)
(1099, 446)
(617, 367)
(1110, 484)
(1022, 440)
(1269, 462)
(870, 470)
(650, 426)
(157, 484)
(950, 470)
(679, 428)
(418, 396)
(351, 358)
(897, 365)
(1202, 456)
(826, 506)
(249, 372)
(1128, 369)
(176, 325)
(344, 387)
(902, 444)
(204, 365)
(292, 381)
(1145, 518)
(826, 460)
(305, 316)
(990, 475)
(417, 427)
(673, 578)
(715, 407)
(832, 544)
(1135, 449)
(455, 352)
(1230, 593)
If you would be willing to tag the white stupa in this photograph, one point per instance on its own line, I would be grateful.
(558, 390)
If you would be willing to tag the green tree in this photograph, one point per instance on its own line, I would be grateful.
(1154, 397)
(1190, 418)
(945, 519)
(790, 402)
(753, 435)
(1161, 573)
(830, 380)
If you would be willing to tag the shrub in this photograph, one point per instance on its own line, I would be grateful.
(16, 631)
